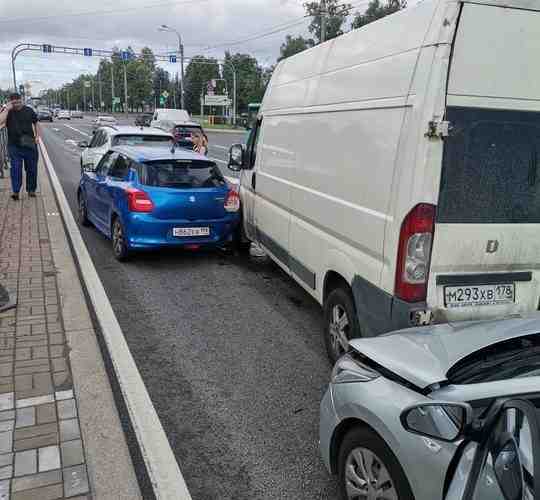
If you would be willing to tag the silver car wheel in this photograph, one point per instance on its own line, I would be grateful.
(338, 330)
(367, 478)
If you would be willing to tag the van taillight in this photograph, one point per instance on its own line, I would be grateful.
(232, 201)
(414, 253)
(139, 201)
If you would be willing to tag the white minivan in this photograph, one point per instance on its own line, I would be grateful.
(394, 170)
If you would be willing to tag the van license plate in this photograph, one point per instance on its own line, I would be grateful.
(481, 295)
(182, 232)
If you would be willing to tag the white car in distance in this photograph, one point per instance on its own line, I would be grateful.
(104, 120)
(64, 114)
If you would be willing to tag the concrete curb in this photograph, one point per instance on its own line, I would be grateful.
(163, 470)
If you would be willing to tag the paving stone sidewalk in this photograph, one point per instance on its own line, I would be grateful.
(41, 451)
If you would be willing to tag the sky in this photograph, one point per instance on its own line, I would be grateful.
(208, 27)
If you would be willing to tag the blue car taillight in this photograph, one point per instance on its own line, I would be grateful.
(139, 201)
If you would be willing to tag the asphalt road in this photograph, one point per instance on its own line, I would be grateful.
(229, 348)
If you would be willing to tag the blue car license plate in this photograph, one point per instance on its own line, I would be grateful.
(183, 232)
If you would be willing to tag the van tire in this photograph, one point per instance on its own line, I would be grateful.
(339, 303)
(363, 438)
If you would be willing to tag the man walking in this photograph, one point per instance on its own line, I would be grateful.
(21, 122)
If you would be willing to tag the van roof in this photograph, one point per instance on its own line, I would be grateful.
(516, 4)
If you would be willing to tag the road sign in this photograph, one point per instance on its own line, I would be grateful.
(87, 84)
(165, 94)
(47, 48)
(162, 100)
(216, 100)
(172, 58)
(125, 55)
(116, 100)
(102, 104)
(87, 52)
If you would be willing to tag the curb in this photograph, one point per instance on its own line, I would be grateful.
(162, 468)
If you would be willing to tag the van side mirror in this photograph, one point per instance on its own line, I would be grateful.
(82, 144)
(236, 157)
(438, 420)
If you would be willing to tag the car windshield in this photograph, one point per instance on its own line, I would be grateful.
(139, 139)
(513, 358)
(181, 174)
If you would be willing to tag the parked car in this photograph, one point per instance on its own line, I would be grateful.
(64, 114)
(147, 197)
(44, 115)
(396, 191)
(104, 120)
(471, 363)
(77, 114)
(143, 120)
(107, 137)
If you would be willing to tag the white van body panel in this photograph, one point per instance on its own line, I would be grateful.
(344, 154)
(179, 116)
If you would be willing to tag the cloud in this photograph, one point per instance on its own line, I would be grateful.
(108, 23)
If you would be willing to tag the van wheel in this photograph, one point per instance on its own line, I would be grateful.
(367, 468)
(340, 323)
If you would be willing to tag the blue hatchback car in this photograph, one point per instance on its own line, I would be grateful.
(151, 197)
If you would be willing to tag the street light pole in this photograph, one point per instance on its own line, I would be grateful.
(164, 27)
(125, 91)
(112, 86)
(323, 21)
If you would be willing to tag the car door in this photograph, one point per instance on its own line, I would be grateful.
(100, 208)
(248, 182)
(87, 155)
(95, 151)
(107, 190)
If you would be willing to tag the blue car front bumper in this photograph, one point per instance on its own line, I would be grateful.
(146, 231)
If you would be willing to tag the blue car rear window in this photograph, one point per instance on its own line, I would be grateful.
(180, 174)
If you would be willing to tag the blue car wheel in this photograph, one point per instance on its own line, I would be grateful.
(82, 213)
(119, 241)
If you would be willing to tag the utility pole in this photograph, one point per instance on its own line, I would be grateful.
(93, 100)
(112, 86)
(84, 95)
(125, 91)
(323, 21)
(100, 92)
(164, 27)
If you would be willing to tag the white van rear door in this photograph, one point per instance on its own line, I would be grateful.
(486, 252)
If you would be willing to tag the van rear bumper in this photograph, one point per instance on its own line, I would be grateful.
(379, 312)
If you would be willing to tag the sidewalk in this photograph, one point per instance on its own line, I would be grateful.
(60, 433)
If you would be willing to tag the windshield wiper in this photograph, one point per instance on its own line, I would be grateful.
(484, 367)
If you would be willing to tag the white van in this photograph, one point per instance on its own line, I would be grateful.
(170, 115)
(394, 171)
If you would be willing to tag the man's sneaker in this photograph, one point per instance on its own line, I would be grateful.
(32, 194)
(15, 196)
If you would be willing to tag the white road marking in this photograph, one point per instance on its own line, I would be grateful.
(76, 130)
(71, 141)
(218, 146)
(56, 129)
(165, 475)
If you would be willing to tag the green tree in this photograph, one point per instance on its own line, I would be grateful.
(249, 79)
(377, 10)
(336, 15)
(294, 45)
(198, 72)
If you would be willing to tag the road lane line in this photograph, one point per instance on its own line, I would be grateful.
(218, 146)
(76, 130)
(218, 160)
(163, 470)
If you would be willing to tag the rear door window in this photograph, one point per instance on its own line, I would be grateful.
(181, 174)
(139, 140)
(120, 168)
(490, 167)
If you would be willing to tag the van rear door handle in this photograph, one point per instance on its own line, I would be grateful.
(254, 180)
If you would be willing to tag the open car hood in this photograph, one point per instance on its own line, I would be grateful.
(423, 356)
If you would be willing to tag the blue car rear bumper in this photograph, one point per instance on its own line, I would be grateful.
(145, 231)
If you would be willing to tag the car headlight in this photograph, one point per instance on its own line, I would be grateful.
(348, 369)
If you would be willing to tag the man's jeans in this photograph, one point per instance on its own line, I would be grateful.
(29, 156)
